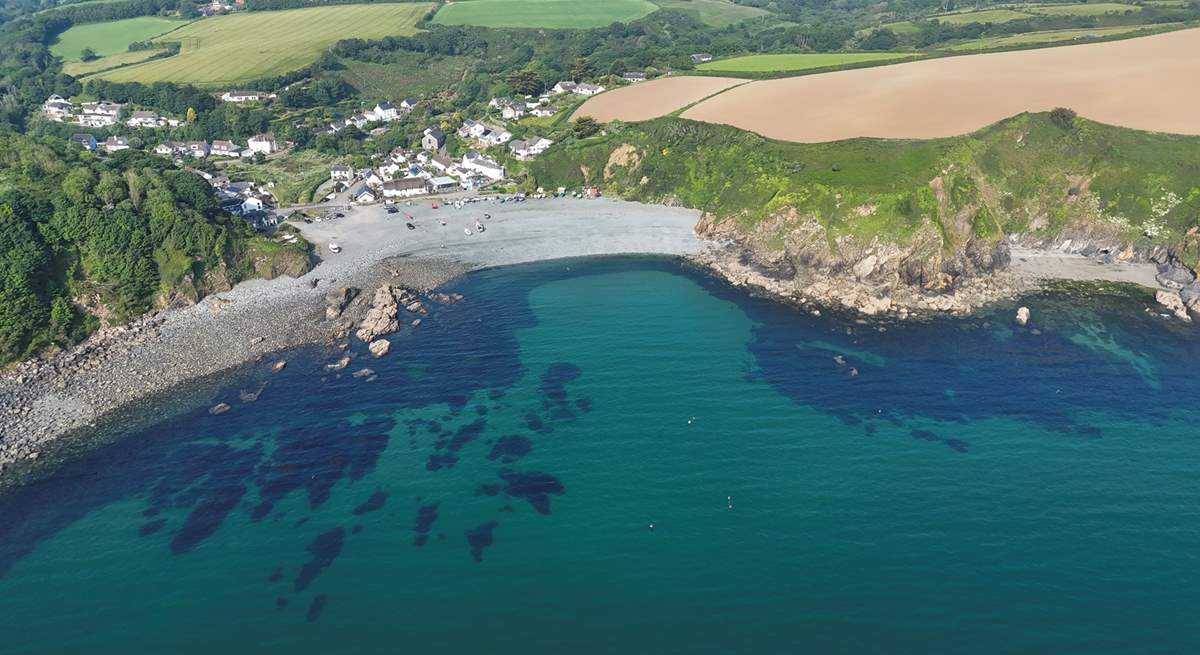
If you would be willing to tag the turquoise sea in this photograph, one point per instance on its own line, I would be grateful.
(815, 485)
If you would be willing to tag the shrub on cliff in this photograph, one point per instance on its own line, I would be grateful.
(83, 238)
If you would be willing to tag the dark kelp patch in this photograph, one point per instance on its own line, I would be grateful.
(426, 515)
(325, 548)
(480, 537)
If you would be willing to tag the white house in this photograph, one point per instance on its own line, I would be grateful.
(116, 144)
(57, 108)
(405, 188)
(701, 57)
(197, 149)
(564, 86)
(264, 143)
(252, 204)
(241, 96)
(497, 136)
(472, 129)
(440, 162)
(143, 119)
(634, 77)
(526, 149)
(543, 111)
(389, 170)
(341, 173)
(98, 114)
(477, 163)
(585, 89)
(225, 149)
(372, 178)
(408, 104)
(363, 195)
(385, 111)
(512, 111)
(167, 148)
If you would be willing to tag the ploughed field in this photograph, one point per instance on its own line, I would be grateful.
(646, 100)
(575, 14)
(1145, 83)
(244, 46)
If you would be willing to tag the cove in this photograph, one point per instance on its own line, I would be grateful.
(815, 484)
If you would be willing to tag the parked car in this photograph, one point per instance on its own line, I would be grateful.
(410, 226)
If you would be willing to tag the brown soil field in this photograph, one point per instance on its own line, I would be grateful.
(1149, 83)
(646, 100)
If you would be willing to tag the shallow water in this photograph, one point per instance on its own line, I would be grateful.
(974, 488)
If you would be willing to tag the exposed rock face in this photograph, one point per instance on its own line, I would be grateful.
(1022, 316)
(381, 317)
(1174, 275)
(1174, 303)
(380, 347)
(339, 364)
(1191, 296)
(337, 300)
(796, 257)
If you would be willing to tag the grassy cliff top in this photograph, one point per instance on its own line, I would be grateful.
(1033, 173)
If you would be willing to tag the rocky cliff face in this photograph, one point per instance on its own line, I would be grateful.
(796, 258)
(891, 226)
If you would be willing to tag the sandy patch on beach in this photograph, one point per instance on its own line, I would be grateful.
(1049, 265)
(646, 100)
(1150, 83)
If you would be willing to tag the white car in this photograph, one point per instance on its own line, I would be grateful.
(334, 248)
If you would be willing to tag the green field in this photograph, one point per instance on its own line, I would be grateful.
(984, 16)
(226, 50)
(1053, 36)
(542, 13)
(82, 68)
(797, 62)
(902, 27)
(110, 38)
(717, 13)
(1092, 9)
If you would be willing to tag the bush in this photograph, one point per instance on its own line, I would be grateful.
(1063, 118)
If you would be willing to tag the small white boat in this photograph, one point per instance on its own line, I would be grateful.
(334, 248)
(479, 227)
(467, 231)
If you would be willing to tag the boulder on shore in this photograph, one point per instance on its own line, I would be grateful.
(380, 347)
(1174, 303)
(336, 301)
(219, 408)
(1022, 316)
(381, 317)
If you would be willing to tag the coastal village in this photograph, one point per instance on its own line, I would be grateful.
(486, 145)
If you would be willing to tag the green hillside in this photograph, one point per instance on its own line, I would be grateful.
(84, 240)
(1029, 174)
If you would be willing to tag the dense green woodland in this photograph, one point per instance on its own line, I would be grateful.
(117, 236)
